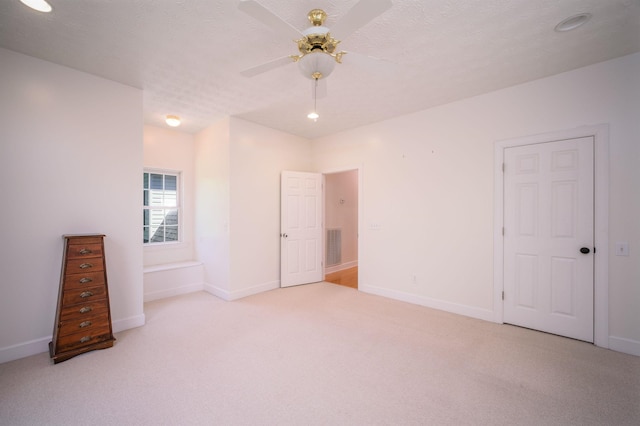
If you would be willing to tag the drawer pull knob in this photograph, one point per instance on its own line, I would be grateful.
(85, 251)
(84, 324)
(85, 309)
(85, 339)
(85, 265)
(85, 280)
(86, 294)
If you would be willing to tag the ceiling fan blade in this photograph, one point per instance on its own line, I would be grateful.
(270, 19)
(371, 65)
(267, 66)
(359, 15)
(321, 90)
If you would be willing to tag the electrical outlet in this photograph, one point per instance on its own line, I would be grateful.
(622, 249)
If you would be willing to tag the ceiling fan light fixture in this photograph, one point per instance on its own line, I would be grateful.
(313, 116)
(316, 63)
(39, 5)
(173, 120)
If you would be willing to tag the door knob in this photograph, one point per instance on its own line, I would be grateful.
(584, 250)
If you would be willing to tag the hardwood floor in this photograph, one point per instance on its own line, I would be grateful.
(346, 277)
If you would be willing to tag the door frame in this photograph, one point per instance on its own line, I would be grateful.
(360, 215)
(600, 134)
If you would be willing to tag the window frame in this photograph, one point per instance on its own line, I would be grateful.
(179, 206)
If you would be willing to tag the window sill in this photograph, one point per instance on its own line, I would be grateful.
(171, 266)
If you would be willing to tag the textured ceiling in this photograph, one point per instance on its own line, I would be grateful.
(186, 55)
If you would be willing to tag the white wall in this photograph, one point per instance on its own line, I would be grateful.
(341, 211)
(169, 149)
(428, 183)
(70, 163)
(258, 156)
(212, 205)
(238, 204)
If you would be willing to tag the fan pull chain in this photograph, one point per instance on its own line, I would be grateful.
(315, 96)
(314, 114)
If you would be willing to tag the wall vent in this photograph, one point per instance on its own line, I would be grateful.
(334, 246)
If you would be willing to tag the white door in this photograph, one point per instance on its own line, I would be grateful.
(548, 229)
(301, 228)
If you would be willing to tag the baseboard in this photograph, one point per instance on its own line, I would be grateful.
(127, 323)
(340, 267)
(22, 350)
(216, 291)
(161, 294)
(37, 346)
(627, 346)
(239, 294)
(455, 308)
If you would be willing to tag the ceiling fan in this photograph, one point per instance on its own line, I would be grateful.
(318, 51)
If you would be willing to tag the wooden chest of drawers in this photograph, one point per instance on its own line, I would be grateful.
(83, 317)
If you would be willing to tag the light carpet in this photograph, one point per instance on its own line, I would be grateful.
(323, 354)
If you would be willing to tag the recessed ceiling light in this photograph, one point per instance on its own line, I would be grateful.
(173, 120)
(573, 22)
(39, 5)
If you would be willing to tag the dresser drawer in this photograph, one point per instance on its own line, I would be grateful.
(84, 310)
(83, 280)
(84, 239)
(86, 249)
(76, 340)
(77, 266)
(89, 294)
(86, 325)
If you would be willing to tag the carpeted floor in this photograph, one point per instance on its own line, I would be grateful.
(323, 354)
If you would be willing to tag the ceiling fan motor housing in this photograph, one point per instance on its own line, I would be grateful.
(317, 38)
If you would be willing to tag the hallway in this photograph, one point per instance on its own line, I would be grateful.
(345, 277)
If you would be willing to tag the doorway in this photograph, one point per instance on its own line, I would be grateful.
(341, 208)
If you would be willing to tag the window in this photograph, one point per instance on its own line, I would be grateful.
(161, 208)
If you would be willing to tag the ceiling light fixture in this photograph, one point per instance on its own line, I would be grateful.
(573, 22)
(316, 63)
(173, 120)
(313, 115)
(39, 5)
(318, 50)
